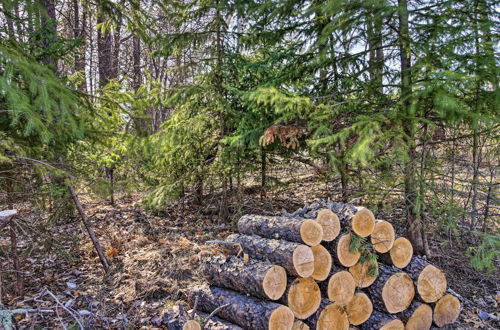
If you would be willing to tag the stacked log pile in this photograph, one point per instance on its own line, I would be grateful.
(333, 266)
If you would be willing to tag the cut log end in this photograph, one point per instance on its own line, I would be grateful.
(299, 325)
(304, 297)
(421, 319)
(341, 287)
(364, 273)
(281, 319)
(344, 255)
(359, 309)
(311, 232)
(398, 292)
(333, 317)
(363, 222)
(447, 310)
(396, 324)
(330, 223)
(383, 236)
(274, 283)
(431, 284)
(303, 261)
(322, 262)
(191, 325)
(401, 252)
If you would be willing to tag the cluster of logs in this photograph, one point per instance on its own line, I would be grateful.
(338, 270)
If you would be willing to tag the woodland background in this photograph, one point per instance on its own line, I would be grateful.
(173, 118)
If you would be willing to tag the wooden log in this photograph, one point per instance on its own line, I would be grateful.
(191, 325)
(382, 321)
(329, 316)
(360, 219)
(302, 296)
(341, 252)
(297, 259)
(364, 272)
(247, 312)
(257, 278)
(447, 310)
(383, 236)
(400, 254)
(330, 223)
(298, 230)
(299, 325)
(6, 216)
(341, 287)
(359, 308)
(418, 316)
(393, 291)
(430, 281)
(322, 262)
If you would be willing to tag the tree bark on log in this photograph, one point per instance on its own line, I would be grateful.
(297, 259)
(256, 278)
(6, 216)
(393, 291)
(215, 323)
(247, 312)
(305, 231)
(382, 321)
(430, 281)
(329, 316)
(400, 255)
(302, 296)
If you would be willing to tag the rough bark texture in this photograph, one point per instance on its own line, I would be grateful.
(278, 252)
(247, 312)
(290, 229)
(403, 295)
(232, 273)
(378, 320)
(430, 281)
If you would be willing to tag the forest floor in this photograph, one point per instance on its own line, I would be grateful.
(156, 258)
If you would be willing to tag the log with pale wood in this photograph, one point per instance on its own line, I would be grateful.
(330, 223)
(257, 278)
(302, 296)
(322, 262)
(359, 309)
(341, 287)
(364, 272)
(247, 312)
(382, 321)
(400, 254)
(383, 236)
(341, 252)
(392, 291)
(447, 310)
(329, 316)
(298, 230)
(299, 325)
(360, 219)
(297, 259)
(418, 316)
(430, 281)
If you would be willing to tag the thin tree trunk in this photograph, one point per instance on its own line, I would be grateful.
(48, 20)
(414, 226)
(104, 54)
(263, 174)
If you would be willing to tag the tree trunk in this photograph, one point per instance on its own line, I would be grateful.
(79, 33)
(104, 53)
(414, 225)
(359, 308)
(360, 219)
(330, 223)
(383, 236)
(247, 312)
(400, 255)
(329, 316)
(322, 262)
(447, 310)
(364, 272)
(341, 252)
(259, 279)
(297, 259)
(305, 231)
(49, 22)
(341, 287)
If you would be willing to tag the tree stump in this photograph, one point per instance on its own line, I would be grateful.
(256, 278)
